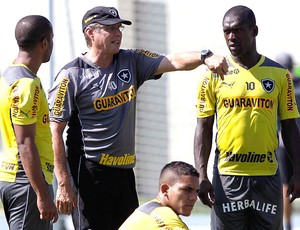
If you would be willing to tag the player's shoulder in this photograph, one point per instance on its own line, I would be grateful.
(268, 62)
(165, 212)
(20, 73)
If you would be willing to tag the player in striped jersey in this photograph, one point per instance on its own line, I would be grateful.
(245, 192)
(26, 167)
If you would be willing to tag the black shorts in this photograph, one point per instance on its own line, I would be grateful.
(20, 206)
(243, 202)
(108, 194)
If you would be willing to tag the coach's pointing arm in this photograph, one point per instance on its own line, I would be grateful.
(191, 60)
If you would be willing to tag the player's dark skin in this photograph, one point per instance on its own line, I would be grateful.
(241, 42)
(240, 38)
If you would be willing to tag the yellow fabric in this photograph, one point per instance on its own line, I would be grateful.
(247, 106)
(24, 102)
(159, 218)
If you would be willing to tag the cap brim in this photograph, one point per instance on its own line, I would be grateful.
(110, 21)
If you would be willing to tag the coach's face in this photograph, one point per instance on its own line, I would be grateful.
(108, 38)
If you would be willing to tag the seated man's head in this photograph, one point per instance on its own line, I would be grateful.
(179, 187)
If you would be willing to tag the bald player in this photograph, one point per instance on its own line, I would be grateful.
(178, 191)
(26, 167)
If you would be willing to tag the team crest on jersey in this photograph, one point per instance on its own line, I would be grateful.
(124, 75)
(268, 85)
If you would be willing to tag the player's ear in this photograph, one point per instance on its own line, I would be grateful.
(255, 31)
(44, 42)
(164, 188)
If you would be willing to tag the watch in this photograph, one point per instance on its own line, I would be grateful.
(204, 54)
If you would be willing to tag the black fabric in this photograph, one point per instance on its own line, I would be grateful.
(109, 193)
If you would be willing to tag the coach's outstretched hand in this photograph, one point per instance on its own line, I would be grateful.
(217, 64)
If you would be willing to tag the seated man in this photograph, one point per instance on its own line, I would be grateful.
(178, 192)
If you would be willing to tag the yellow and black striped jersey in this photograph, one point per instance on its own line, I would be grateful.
(23, 102)
(153, 215)
(247, 104)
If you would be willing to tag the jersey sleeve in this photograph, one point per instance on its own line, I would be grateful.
(206, 99)
(147, 64)
(25, 96)
(287, 102)
(61, 97)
